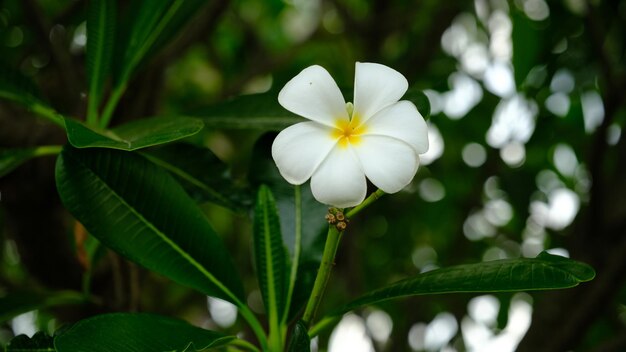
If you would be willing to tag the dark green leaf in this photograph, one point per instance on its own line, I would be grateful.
(141, 212)
(420, 100)
(150, 24)
(263, 171)
(100, 36)
(270, 254)
(202, 174)
(133, 135)
(546, 272)
(10, 159)
(255, 111)
(15, 303)
(300, 341)
(40, 342)
(19, 89)
(528, 43)
(137, 333)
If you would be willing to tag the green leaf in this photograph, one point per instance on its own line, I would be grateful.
(141, 212)
(18, 302)
(150, 24)
(137, 333)
(100, 36)
(133, 135)
(420, 100)
(202, 174)
(262, 111)
(40, 342)
(10, 159)
(546, 272)
(263, 170)
(17, 88)
(270, 255)
(528, 41)
(255, 111)
(300, 341)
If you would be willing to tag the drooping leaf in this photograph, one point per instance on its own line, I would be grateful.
(202, 174)
(137, 333)
(254, 111)
(40, 342)
(18, 302)
(137, 209)
(133, 135)
(300, 341)
(270, 254)
(100, 37)
(545, 272)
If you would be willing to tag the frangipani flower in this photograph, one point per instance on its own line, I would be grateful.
(379, 137)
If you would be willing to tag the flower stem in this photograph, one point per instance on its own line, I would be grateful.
(371, 199)
(323, 274)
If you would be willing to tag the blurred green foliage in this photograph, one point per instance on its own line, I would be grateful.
(527, 102)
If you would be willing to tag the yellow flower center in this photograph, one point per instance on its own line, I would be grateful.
(348, 132)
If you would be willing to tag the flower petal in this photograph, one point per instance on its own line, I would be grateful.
(314, 94)
(299, 149)
(339, 181)
(375, 87)
(389, 163)
(401, 121)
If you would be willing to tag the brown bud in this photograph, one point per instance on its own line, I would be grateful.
(340, 216)
(341, 225)
(331, 218)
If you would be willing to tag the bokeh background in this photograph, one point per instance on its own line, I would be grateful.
(526, 154)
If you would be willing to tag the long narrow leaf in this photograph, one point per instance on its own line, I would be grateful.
(138, 210)
(137, 333)
(270, 254)
(100, 37)
(133, 135)
(546, 272)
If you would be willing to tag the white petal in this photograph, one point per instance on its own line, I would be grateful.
(299, 149)
(339, 181)
(401, 121)
(388, 162)
(314, 94)
(375, 87)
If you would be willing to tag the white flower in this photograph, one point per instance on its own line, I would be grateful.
(378, 137)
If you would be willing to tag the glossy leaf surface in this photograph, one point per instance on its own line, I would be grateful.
(133, 135)
(137, 209)
(270, 253)
(137, 333)
(546, 272)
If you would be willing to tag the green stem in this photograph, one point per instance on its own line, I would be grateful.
(322, 325)
(254, 323)
(371, 199)
(49, 114)
(296, 252)
(245, 345)
(47, 150)
(323, 274)
(115, 97)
